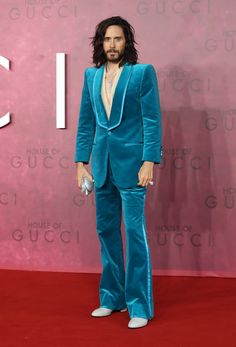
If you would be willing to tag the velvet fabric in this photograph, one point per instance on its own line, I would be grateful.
(119, 145)
(131, 135)
(129, 286)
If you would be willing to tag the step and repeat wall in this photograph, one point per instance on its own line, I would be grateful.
(46, 223)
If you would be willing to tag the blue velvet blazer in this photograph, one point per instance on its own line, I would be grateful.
(131, 135)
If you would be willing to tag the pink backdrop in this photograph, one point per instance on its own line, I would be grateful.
(190, 211)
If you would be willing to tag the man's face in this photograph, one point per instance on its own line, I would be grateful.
(114, 43)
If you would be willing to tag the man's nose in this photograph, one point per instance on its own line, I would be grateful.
(112, 43)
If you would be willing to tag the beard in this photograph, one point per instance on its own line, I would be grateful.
(114, 58)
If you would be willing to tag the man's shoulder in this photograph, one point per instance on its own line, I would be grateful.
(90, 69)
(142, 65)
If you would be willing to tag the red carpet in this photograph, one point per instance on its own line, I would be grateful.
(53, 309)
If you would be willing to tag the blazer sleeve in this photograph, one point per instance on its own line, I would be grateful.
(151, 115)
(86, 126)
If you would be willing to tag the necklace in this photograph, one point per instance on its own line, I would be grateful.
(111, 73)
(110, 76)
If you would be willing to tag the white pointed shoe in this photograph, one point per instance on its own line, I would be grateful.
(137, 322)
(103, 312)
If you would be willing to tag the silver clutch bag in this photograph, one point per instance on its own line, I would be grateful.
(87, 185)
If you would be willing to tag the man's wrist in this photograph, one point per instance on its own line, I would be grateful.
(80, 164)
(151, 163)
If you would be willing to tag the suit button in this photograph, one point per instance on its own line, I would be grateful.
(109, 132)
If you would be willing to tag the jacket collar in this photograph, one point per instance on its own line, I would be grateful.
(118, 98)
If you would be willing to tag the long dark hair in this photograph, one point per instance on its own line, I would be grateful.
(130, 53)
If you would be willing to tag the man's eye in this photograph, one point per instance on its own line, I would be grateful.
(117, 39)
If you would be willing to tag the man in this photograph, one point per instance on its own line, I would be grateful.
(120, 125)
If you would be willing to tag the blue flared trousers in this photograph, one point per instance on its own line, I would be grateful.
(131, 286)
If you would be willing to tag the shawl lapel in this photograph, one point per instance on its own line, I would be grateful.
(118, 98)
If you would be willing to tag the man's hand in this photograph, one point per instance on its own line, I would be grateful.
(145, 173)
(82, 171)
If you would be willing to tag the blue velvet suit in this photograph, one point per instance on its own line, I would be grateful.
(119, 145)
